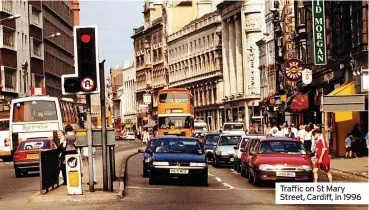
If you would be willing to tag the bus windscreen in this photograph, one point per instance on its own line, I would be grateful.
(34, 111)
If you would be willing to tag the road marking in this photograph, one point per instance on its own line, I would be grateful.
(229, 186)
(210, 174)
(218, 179)
(145, 188)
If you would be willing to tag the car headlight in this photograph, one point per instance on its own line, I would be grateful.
(197, 164)
(147, 160)
(266, 167)
(155, 163)
(304, 167)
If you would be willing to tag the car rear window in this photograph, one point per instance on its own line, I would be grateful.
(28, 145)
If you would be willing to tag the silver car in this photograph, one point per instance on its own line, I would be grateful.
(224, 153)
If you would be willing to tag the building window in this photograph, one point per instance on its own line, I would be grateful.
(37, 49)
(35, 20)
(8, 38)
(10, 78)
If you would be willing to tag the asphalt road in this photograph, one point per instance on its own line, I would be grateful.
(226, 190)
(15, 191)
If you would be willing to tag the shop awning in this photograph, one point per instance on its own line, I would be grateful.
(342, 101)
(300, 102)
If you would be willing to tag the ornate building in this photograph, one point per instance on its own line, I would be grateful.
(241, 29)
(194, 62)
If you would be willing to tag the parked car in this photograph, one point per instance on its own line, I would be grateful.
(27, 155)
(224, 149)
(279, 158)
(251, 143)
(208, 146)
(118, 135)
(236, 128)
(241, 145)
(130, 136)
(147, 156)
(178, 157)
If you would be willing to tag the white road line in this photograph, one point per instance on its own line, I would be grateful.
(210, 174)
(218, 179)
(145, 188)
(229, 186)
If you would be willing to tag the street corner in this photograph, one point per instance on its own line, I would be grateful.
(60, 195)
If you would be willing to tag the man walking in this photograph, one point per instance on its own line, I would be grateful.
(322, 154)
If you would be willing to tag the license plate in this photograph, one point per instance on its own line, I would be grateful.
(178, 171)
(33, 156)
(286, 174)
(231, 159)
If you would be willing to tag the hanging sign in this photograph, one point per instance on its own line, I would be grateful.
(320, 54)
(292, 69)
(307, 76)
(147, 99)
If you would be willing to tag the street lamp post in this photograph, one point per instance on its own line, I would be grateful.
(11, 17)
(53, 35)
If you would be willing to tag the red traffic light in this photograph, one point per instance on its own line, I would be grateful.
(85, 38)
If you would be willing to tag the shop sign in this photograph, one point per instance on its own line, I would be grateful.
(292, 69)
(307, 76)
(143, 107)
(147, 99)
(289, 29)
(320, 54)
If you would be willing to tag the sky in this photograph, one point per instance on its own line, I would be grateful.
(115, 21)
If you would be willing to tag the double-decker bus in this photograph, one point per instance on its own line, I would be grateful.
(5, 149)
(175, 112)
(40, 116)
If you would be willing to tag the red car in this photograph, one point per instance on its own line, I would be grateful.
(278, 158)
(251, 143)
(118, 135)
(27, 155)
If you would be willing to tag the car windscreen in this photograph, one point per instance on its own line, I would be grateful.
(286, 147)
(233, 127)
(178, 146)
(228, 140)
(40, 144)
(211, 138)
(152, 144)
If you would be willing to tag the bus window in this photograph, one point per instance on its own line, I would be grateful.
(166, 98)
(182, 97)
(33, 111)
(175, 122)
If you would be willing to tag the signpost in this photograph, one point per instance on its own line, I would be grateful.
(320, 54)
(73, 171)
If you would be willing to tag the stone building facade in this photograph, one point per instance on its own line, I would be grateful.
(194, 62)
(241, 29)
(128, 99)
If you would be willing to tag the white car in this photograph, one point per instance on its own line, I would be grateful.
(129, 136)
(241, 145)
(235, 128)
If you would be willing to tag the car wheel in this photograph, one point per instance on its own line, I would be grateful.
(243, 172)
(205, 181)
(18, 173)
(251, 179)
(247, 174)
(238, 166)
(145, 173)
(256, 180)
(213, 162)
(152, 179)
(216, 163)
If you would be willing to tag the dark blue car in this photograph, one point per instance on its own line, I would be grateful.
(178, 157)
(150, 148)
(208, 147)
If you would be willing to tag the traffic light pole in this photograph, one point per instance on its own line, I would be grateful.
(89, 143)
(103, 127)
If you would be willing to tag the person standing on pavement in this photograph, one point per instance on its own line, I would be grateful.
(308, 138)
(273, 130)
(267, 129)
(294, 130)
(323, 161)
(290, 134)
(356, 143)
(348, 142)
(61, 147)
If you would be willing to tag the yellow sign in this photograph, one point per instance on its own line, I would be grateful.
(177, 111)
(283, 97)
(174, 132)
(83, 133)
(73, 180)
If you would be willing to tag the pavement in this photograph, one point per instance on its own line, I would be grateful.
(60, 193)
(354, 166)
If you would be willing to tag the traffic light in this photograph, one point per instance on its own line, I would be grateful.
(86, 79)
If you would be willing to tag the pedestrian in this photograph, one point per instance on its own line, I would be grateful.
(280, 132)
(308, 138)
(322, 155)
(367, 140)
(267, 129)
(311, 125)
(273, 130)
(145, 137)
(61, 148)
(301, 133)
(285, 129)
(294, 130)
(356, 134)
(348, 144)
(252, 129)
(290, 133)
